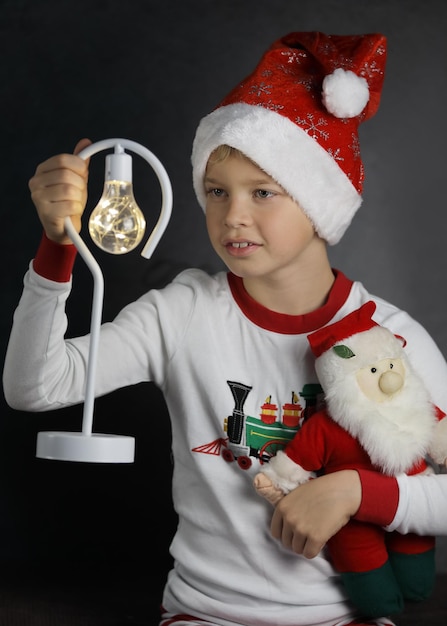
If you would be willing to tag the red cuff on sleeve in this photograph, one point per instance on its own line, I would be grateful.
(380, 497)
(54, 261)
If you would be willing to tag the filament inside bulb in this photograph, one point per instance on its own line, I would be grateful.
(117, 224)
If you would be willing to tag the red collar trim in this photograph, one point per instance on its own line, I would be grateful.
(290, 324)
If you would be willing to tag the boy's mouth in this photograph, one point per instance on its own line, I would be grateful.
(241, 248)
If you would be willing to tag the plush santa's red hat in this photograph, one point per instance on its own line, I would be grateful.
(357, 321)
(297, 117)
(353, 327)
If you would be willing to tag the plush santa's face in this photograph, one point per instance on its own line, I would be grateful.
(381, 380)
(372, 391)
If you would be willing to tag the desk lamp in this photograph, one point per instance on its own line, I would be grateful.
(117, 226)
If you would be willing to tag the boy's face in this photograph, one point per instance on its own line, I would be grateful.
(253, 224)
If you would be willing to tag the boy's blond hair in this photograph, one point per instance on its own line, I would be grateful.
(223, 152)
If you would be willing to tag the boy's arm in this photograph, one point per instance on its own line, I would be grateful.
(37, 372)
(39, 322)
(422, 505)
(408, 504)
(309, 516)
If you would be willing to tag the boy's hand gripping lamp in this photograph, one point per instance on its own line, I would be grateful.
(117, 226)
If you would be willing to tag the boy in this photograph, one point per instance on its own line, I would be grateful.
(277, 169)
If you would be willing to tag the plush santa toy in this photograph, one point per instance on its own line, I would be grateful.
(378, 416)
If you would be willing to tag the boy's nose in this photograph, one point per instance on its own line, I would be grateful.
(238, 213)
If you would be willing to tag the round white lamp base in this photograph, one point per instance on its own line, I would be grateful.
(95, 448)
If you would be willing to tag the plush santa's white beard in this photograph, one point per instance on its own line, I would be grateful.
(395, 433)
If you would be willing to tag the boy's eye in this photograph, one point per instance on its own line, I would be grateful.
(264, 193)
(215, 191)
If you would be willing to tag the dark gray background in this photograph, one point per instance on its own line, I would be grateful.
(148, 71)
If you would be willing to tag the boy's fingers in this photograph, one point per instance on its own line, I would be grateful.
(82, 143)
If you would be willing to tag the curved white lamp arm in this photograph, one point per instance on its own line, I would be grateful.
(86, 446)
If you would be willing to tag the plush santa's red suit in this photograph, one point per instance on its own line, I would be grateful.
(378, 417)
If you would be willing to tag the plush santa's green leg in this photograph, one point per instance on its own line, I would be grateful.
(416, 574)
(359, 554)
(413, 560)
(375, 593)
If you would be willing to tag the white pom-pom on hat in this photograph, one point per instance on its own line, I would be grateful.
(344, 93)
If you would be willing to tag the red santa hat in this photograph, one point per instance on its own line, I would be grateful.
(297, 117)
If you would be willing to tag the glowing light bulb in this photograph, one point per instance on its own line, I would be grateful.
(117, 223)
